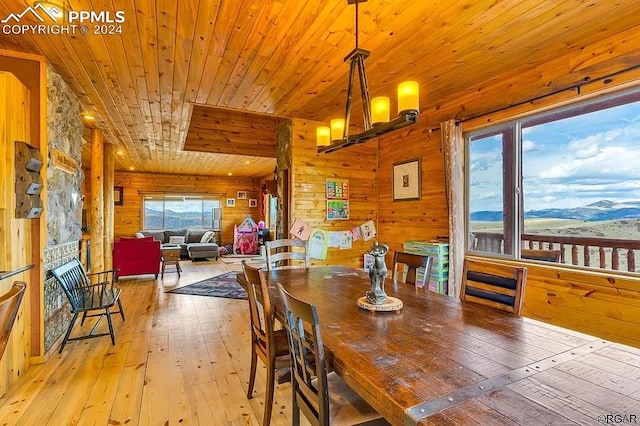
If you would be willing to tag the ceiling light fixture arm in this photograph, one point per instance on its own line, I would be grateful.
(357, 57)
(406, 116)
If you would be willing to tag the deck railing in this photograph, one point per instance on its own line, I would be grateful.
(603, 253)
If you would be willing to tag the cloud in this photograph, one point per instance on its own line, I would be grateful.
(528, 146)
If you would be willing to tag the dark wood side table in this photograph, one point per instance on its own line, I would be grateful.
(170, 255)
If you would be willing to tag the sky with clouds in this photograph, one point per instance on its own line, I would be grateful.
(568, 163)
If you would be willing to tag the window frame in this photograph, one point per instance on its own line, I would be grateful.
(172, 197)
(577, 108)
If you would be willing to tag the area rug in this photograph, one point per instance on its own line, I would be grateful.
(224, 285)
(237, 259)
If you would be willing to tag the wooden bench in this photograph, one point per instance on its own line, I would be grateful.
(85, 297)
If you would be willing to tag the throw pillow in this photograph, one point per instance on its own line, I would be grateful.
(206, 237)
(176, 239)
(139, 235)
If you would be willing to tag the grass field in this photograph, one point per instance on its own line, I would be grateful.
(624, 229)
(621, 229)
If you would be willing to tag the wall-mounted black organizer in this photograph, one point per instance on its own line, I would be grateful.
(28, 181)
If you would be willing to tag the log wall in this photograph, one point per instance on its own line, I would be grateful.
(358, 164)
(128, 216)
(423, 219)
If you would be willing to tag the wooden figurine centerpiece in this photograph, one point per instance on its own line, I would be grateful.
(376, 299)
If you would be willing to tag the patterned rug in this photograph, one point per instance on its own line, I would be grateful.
(238, 258)
(224, 285)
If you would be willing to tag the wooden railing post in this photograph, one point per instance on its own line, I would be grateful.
(490, 242)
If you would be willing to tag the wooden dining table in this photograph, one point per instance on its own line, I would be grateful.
(441, 361)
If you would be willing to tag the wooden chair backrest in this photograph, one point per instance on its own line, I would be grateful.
(309, 375)
(73, 279)
(413, 262)
(543, 255)
(9, 305)
(496, 285)
(260, 308)
(286, 250)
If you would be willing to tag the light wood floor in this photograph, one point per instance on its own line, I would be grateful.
(178, 360)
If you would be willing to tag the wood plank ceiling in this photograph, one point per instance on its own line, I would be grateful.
(285, 58)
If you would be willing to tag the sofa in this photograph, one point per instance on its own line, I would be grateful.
(136, 256)
(190, 242)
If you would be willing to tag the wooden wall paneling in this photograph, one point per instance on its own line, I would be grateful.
(286, 58)
(15, 234)
(424, 219)
(31, 71)
(592, 302)
(97, 200)
(108, 206)
(310, 171)
(128, 218)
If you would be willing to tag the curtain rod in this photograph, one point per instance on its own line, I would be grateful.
(182, 194)
(577, 87)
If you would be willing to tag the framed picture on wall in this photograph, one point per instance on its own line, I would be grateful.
(118, 194)
(241, 195)
(253, 202)
(231, 202)
(337, 189)
(406, 180)
(337, 209)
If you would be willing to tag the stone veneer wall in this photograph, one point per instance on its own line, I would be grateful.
(64, 203)
(283, 161)
(56, 307)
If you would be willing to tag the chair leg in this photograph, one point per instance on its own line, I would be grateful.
(252, 371)
(295, 413)
(268, 399)
(120, 309)
(113, 338)
(66, 336)
(84, 316)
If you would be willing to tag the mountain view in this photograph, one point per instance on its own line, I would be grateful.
(595, 212)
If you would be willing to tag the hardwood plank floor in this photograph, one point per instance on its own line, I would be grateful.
(178, 359)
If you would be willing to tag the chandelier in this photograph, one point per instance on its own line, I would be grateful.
(376, 111)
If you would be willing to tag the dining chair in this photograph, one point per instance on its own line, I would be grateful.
(543, 255)
(266, 342)
(495, 285)
(285, 251)
(88, 294)
(9, 305)
(413, 262)
(324, 398)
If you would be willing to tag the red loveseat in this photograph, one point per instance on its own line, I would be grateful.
(136, 256)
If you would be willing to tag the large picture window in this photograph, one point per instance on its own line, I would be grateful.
(563, 186)
(179, 211)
